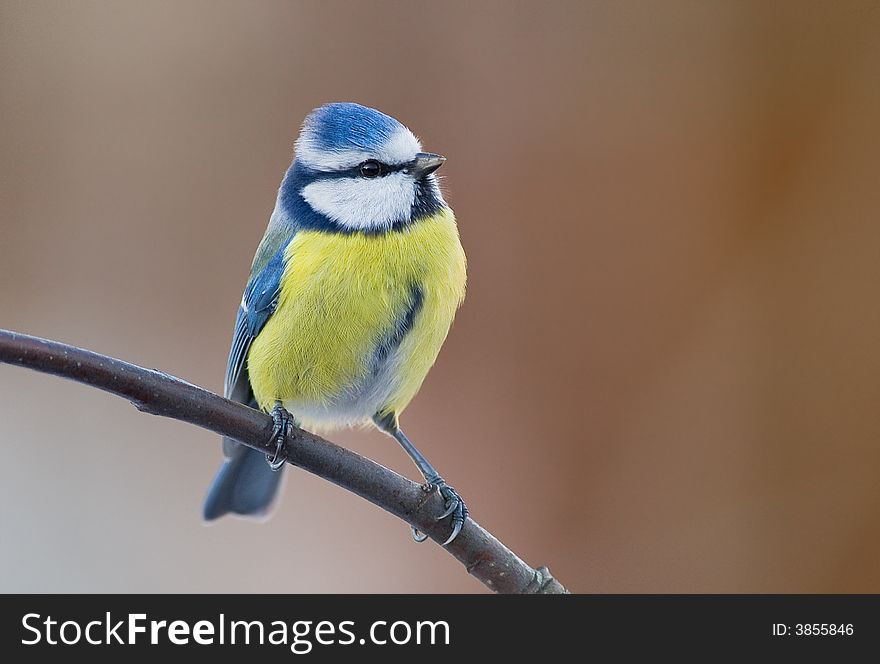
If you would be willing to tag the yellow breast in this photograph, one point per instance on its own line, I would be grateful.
(341, 295)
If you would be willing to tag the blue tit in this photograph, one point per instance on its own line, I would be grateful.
(351, 294)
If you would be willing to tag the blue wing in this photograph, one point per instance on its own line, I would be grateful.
(245, 484)
(258, 303)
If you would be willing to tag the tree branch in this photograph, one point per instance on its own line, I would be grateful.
(158, 393)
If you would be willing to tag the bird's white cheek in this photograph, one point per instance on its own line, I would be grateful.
(362, 204)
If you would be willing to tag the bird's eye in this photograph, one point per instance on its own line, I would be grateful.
(371, 168)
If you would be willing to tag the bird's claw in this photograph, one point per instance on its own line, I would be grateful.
(454, 506)
(450, 508)
(281, 424)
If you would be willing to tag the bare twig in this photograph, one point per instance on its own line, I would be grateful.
(158, 393)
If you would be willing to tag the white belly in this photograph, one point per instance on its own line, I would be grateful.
(356, 404)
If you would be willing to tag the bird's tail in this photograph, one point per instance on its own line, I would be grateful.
(245, 485)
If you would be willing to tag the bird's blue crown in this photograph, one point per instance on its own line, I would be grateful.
(348, 126)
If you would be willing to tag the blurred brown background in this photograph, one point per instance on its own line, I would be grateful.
(665, 378)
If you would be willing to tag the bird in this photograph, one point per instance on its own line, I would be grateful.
(351, 294)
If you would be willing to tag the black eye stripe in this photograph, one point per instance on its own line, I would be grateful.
(384, 169)
(355, 171)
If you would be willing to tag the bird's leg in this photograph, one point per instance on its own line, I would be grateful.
(281, 421)
(455, 506)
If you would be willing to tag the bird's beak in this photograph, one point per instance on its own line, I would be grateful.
(424, 164)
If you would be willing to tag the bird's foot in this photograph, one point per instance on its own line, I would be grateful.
(455, 507)
(281, 421)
